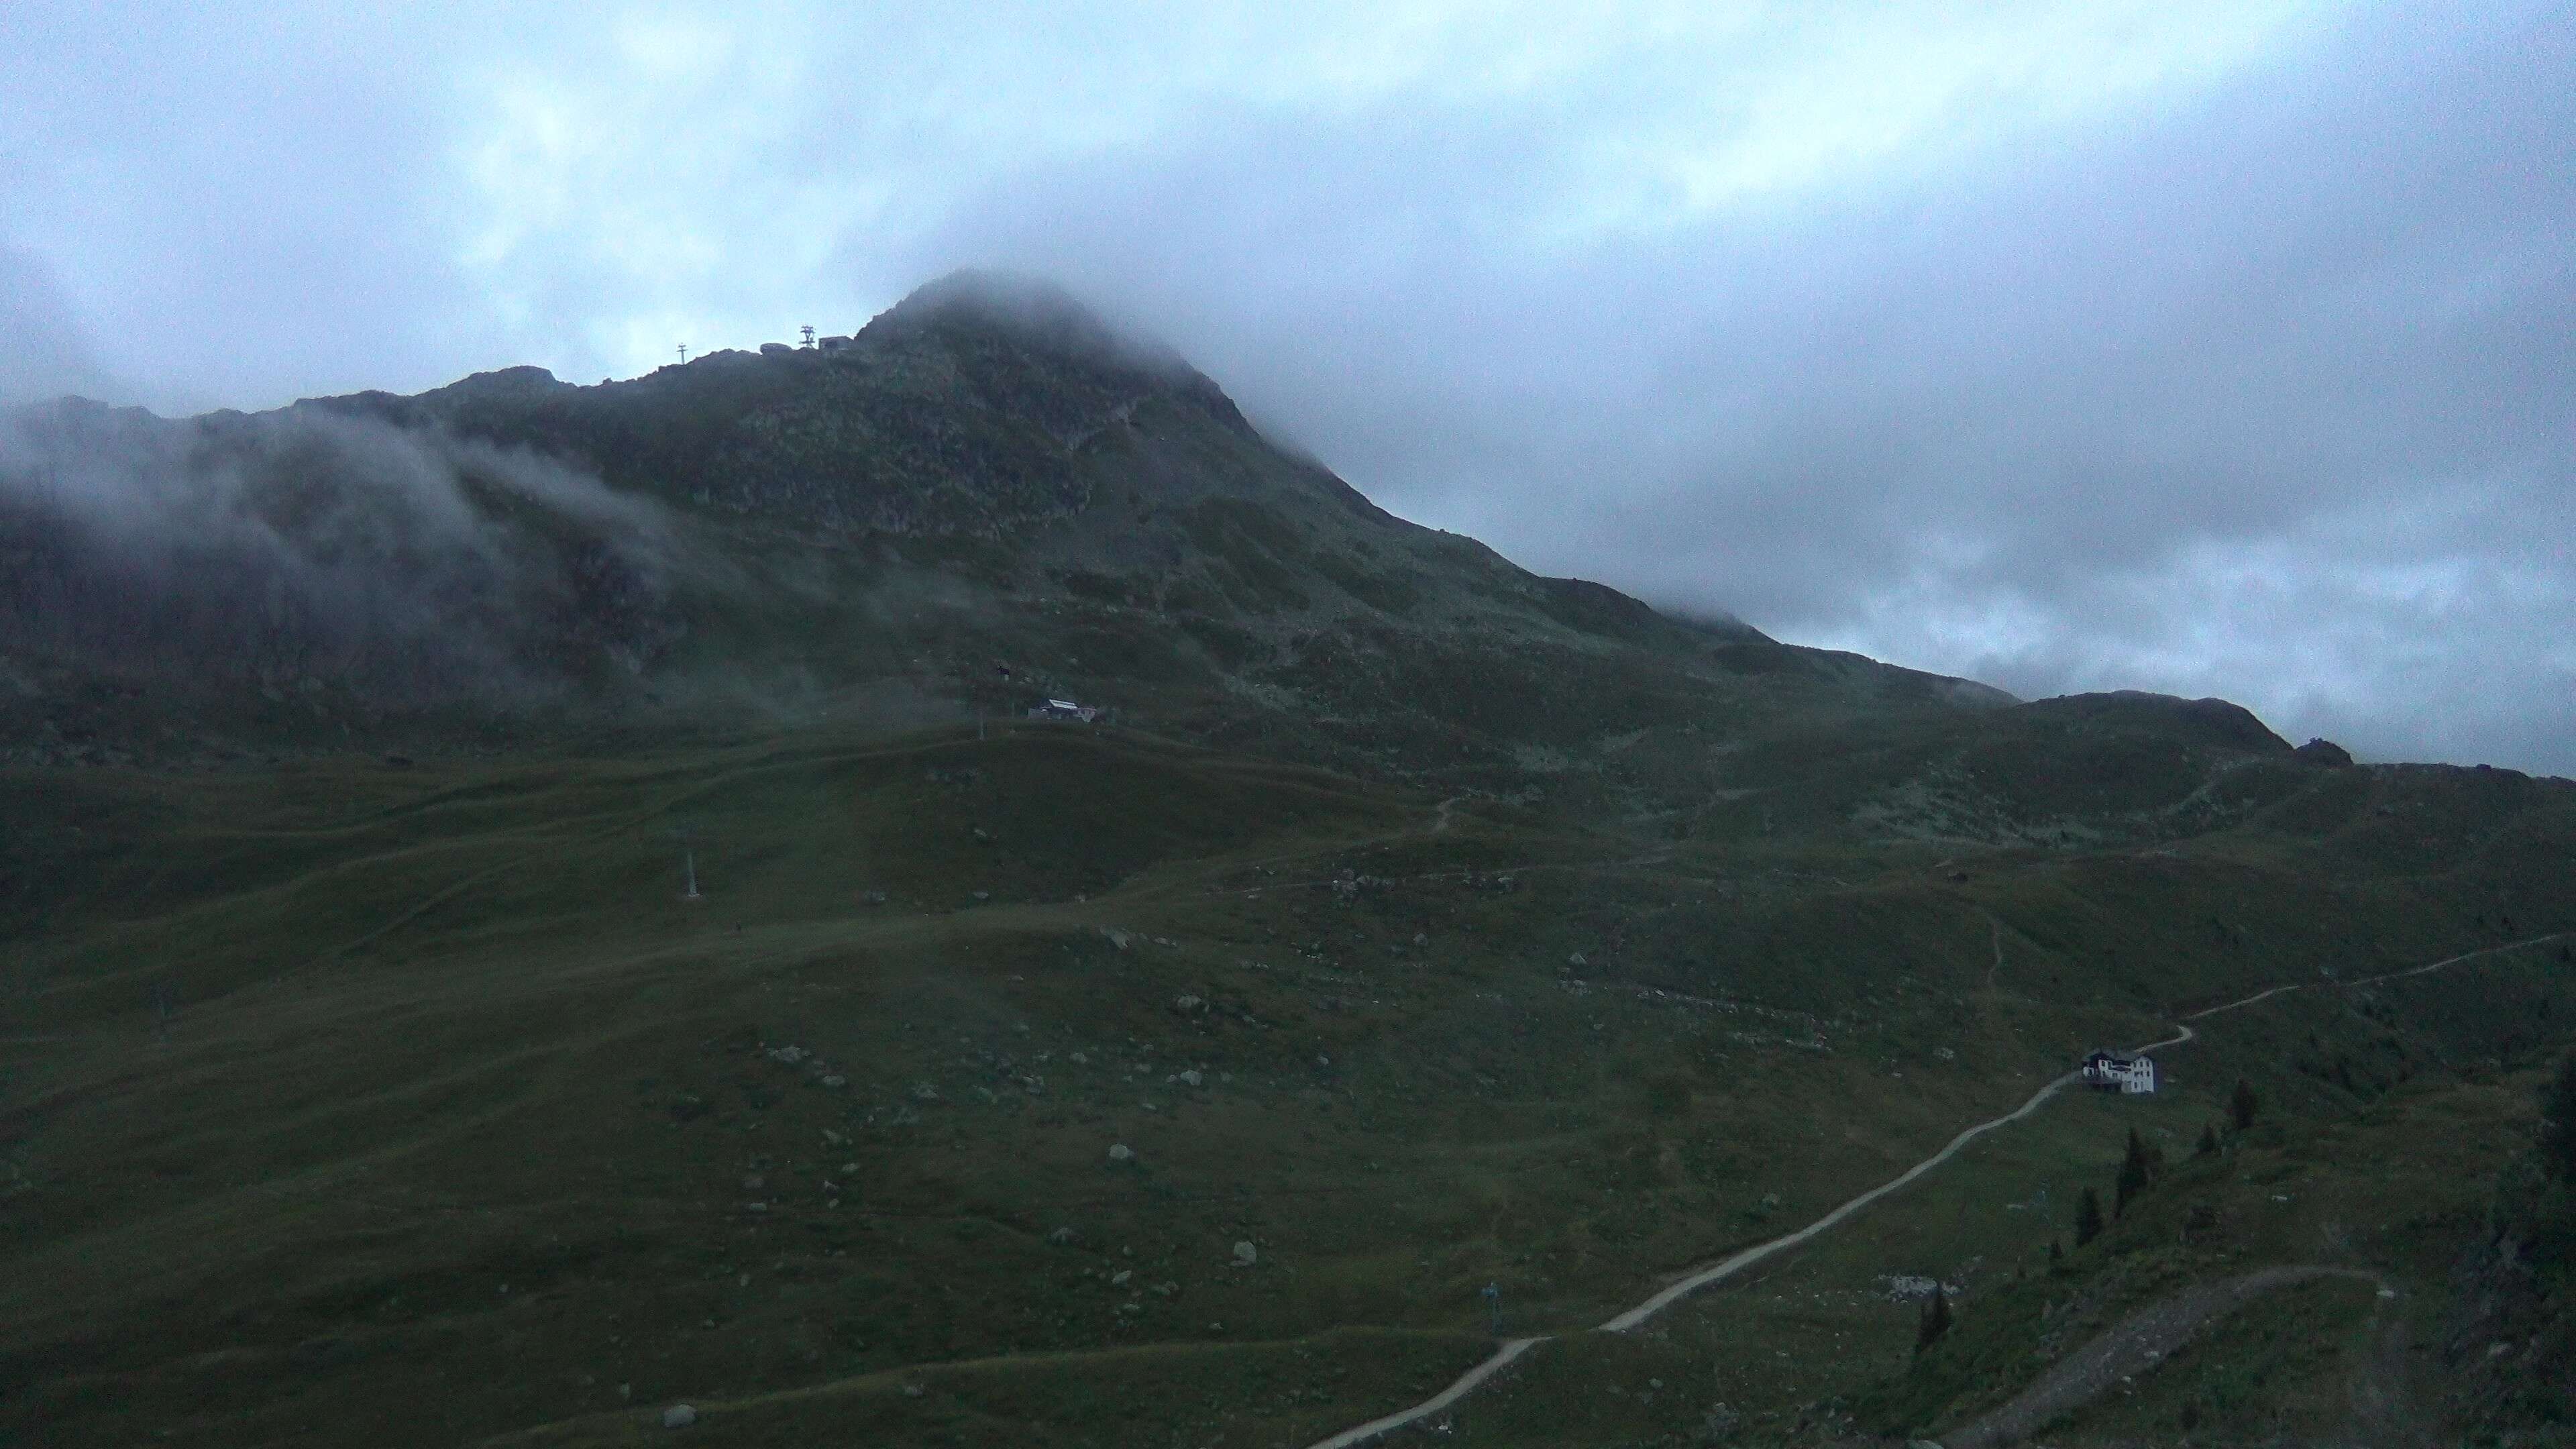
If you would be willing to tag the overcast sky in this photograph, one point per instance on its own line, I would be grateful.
(2219, 348)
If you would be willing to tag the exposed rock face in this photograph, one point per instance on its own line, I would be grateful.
(2325, 752)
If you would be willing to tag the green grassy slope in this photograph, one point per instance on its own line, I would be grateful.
(344, 1100)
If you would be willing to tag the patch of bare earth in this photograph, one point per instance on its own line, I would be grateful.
(2140, 1342)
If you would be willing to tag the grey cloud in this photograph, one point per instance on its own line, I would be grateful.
(2259, 390)
(46, 354)
(2039, 422)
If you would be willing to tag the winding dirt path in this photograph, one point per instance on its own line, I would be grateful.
(1465, 1385)
(1692, 1281)
(1448, 811)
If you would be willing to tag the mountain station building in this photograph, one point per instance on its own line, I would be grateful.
(2119, 1071)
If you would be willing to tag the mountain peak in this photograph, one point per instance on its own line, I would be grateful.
(1028, 309)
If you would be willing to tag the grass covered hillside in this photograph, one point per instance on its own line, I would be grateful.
(1074, 1085)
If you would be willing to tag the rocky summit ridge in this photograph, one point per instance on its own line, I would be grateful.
(984, 492)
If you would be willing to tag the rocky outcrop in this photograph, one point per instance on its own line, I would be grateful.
(2325, 752)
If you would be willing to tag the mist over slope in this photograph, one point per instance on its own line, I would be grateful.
(985, 496)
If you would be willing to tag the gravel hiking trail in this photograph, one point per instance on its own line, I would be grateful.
(2136, 1344)
(1691, 1281)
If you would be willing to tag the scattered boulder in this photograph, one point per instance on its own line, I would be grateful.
(679, 1416)
(1193, 1077)
(1245, 1255)
(1187, 1005)
(1119, 939)
(1121, 1152)
(1062, 1237)
(1576, 961)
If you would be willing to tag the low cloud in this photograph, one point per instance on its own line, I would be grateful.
(2218, 349)
(318, 548)
(2264, 396)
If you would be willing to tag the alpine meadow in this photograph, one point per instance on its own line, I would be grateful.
(935, 887)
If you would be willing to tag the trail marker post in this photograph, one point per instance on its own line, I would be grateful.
(1494, 1306)
(688, 839)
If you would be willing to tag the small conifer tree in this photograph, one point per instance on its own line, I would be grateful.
(2056, 1253)
(2088, 1217)
(2136, 1171)
(2241, 1105)
(2208, 1143)
(1935, 1321)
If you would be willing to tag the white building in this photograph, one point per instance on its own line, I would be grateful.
(2119, 1071)
(1064, 709)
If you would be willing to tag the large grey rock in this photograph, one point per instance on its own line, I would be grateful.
(1245, 1255)
(1121, 1152)
(679, 1416)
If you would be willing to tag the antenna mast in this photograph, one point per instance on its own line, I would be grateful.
(809, 336)
(684, 354)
